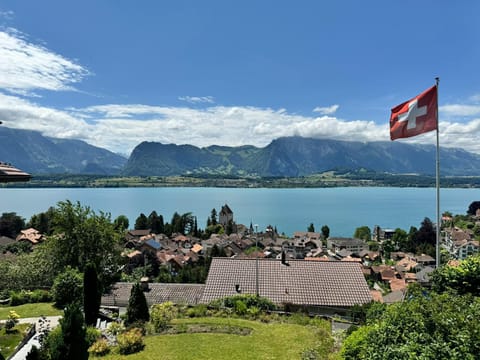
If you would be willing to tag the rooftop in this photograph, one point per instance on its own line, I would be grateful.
(157, 293)
(8, 173)
(300, 282)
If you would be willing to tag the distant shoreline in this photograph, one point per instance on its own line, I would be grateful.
(324, 180)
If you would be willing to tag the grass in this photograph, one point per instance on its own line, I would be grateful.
(30, 310)
(266, 341)
(10, 340)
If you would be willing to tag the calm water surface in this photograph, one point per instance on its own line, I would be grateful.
(342, 209)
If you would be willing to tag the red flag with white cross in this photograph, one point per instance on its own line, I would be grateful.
(415, 116)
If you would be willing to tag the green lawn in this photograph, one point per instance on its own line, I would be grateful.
(30, 310)
(9, 341)
(266, 341)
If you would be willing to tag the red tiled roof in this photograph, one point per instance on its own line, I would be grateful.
(300, 282)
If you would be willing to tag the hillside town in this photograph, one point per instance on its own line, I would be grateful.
(387, 278)
(312, 273)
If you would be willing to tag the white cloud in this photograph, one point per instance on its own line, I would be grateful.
(26, 67)
(457, 110)
(329, 110)
(120, 127)
(6, 14)
(197, 99)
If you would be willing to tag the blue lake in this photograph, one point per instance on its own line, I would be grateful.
(342, 209)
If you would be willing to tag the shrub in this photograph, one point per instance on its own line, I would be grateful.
(92, 335)
(130, 341)
(162, 314)
(67, 287)
(197, 311)
(99, 348)
(240, 307)
(249, 300)
(115, 328)
(12, 320)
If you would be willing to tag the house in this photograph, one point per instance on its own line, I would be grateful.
(355, 246)
(380, 234)
(460, 243)
(5, 240)
(30, 235)
(320, 287)
(155, 293)
(8, 173)
(151, 246)
(225, 216)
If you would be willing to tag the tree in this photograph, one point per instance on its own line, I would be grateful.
(142, 222)
(73, 334)
(67, 287)
(311, 228)
(363, 232)
(427, 326)
(400, 238)
(462, 279)
(137, 310)
(11, 224)
(82, 236)
(92, 294)
(473, 207)
(156, 222)
(121, 223)
(213, 217)
(325, 231)
(43, 221)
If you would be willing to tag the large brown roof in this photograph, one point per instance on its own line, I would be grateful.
(300, 282)
(9, 173)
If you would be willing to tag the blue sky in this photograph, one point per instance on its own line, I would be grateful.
(115, 73)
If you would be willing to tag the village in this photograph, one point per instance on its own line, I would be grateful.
(287, 270)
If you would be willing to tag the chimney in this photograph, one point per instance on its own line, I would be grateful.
(144, 283)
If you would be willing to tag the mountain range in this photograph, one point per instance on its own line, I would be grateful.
(283, 157)
(38, 154)
(297, 156)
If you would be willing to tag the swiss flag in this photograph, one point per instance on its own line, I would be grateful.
(415, 116)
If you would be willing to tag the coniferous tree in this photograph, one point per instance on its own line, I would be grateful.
(72, 344)
(141, 223)
(137, 309)
(91, 294)
(213, 217)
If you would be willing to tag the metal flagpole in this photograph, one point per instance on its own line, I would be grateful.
(437, 80)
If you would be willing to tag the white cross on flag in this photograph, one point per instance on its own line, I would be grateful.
(415, 116)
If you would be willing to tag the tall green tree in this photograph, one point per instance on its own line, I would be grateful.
(73, 334)
(325, 231)
(92, 294)
(473, 207)
(156, 222)
(311, 228)
(11, 224)
(121, 223)
(82, 236)
(363, 232)
(141, 223)
(137, 310)
(213, 217)
(43, 221)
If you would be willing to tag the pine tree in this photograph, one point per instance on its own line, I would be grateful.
(137, 309)
(91, 294)
(72, 344)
